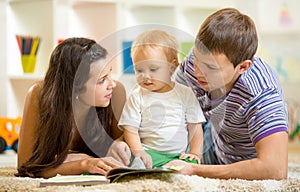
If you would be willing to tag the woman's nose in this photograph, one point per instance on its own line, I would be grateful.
(112, 83)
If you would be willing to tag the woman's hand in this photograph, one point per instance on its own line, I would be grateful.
(98, 165)
(120, 151)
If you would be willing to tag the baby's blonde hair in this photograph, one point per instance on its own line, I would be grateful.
(157, 39)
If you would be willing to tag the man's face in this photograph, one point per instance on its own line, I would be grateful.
(213, 71)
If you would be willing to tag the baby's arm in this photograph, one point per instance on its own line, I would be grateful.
(133, 140)
(196, 142)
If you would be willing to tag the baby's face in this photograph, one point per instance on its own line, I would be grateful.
(152, 69)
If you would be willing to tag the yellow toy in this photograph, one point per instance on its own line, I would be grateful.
(9, 133)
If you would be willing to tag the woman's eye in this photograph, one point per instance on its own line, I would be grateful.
(101, 81)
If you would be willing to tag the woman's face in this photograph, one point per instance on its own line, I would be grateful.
(99, 86)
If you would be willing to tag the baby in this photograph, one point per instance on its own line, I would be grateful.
(161, 119)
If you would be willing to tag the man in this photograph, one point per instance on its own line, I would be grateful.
(241, 98)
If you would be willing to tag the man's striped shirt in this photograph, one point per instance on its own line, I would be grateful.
(252, 110)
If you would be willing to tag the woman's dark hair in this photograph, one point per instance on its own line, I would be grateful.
(56, 119)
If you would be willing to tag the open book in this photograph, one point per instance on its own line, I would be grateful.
(112, 176)
(74, 180)
(115, 174)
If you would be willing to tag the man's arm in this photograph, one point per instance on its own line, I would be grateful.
(271, 162)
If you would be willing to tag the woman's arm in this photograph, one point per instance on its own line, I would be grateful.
(29, 125)
(87, 165)
(271, 162)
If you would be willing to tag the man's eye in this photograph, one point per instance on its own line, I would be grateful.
(207, 66)
(212, 67)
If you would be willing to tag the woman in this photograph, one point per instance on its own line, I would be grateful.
(59, 115)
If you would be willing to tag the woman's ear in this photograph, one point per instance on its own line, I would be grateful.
(244, 66)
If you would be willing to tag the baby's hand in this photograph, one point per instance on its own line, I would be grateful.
(145, 157)
(191, 157)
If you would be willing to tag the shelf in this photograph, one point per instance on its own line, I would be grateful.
(79, 2)
(142, 14)
(33, 77)
(88, 19)
(211, 4)
(130, 4)
(23, 20)
(112, 22)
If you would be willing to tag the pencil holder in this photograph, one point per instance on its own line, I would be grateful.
(28, 46)
(28, 63)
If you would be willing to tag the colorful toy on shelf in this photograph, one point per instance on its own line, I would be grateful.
(294, 120)
(28, 46)
(293, 133)
(9, 133)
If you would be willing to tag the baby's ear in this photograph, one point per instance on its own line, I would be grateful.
(173, 65)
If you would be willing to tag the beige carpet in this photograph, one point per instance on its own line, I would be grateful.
(159, 182)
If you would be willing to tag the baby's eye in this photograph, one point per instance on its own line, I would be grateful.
(153, 69)
(139, 70)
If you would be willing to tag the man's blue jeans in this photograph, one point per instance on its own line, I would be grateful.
(208, 153)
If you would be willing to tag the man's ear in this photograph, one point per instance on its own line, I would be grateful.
(173, 65)
(244, 66)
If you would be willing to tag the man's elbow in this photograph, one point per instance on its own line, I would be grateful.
(279, 173)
